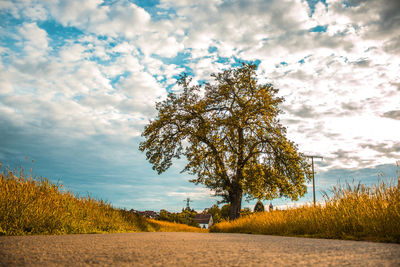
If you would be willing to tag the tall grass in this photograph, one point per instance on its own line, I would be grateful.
(31, 205)
(354, 212)
(164, 226)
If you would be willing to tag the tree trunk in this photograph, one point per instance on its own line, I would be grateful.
(236, 203)
(236, 194)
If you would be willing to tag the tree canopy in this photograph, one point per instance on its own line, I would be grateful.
(259, 207)
(230, 134)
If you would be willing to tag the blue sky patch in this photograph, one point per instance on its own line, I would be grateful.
(319, 28)
(59, 35)
(182, 58)
(114, 80)
(212, 49)
(312, 4)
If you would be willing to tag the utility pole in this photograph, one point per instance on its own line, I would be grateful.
(312, 164)
(187, 200)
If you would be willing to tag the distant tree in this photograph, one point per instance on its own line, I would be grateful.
(215, 211)
(187, 217)
(184, 217)
(259, 207)
(229, 133)
(164, 216)
(225, 211)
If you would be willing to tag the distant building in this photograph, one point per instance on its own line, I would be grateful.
(146, 213)
(204, 220)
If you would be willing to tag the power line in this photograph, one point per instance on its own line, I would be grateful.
(188, 202)
(312, 163)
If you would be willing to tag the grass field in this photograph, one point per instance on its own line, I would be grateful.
(31, 205)
(352, 212)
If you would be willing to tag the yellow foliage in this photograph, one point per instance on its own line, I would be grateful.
(164, 226)
(31, 205)
(358, 212)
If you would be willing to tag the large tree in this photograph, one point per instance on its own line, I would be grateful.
(229, 132)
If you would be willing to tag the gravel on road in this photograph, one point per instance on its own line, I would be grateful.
(191, 249)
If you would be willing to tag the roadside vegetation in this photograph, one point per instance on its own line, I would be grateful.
(355, 212)
(186, 216)
(31, 205)
(164, 226)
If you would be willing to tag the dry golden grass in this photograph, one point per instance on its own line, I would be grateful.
(163, 226)
(31, 205)
(353, 212)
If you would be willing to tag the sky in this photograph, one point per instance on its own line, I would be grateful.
(79, 81)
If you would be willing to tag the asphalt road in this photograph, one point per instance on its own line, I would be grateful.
(191, 249)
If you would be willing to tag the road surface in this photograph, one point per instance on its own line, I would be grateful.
(191, 249)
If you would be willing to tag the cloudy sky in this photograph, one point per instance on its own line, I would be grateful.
(79, 80)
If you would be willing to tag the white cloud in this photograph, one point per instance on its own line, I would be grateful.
(34, 41)
(71, 53)
(121, 18)
(35, 12)
(75, 13)
(156, 44)
(124, 19)
(5, 86)
(192, 193)
(143, 91)
(124, 47)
